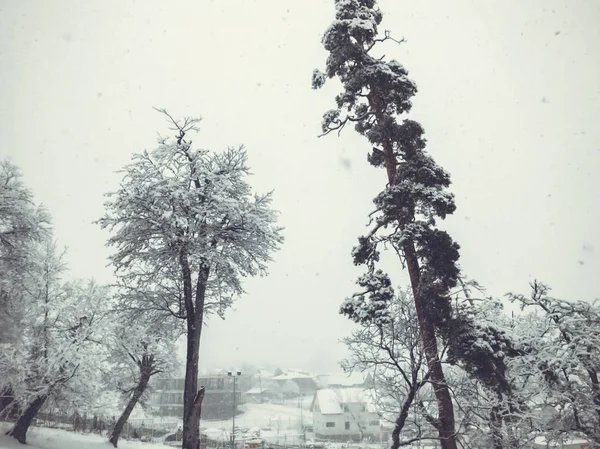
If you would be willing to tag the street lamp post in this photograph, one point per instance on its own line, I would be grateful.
(235, 376)
(302, 418)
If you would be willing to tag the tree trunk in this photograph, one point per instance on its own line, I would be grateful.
(191, 409)
(403, 415)
(137, 394)
(192, 398)
(19, 431)
(427, 331)
(438, 381)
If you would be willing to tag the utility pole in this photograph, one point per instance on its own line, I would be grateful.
(235, 376)
(302, 419)
(260, 386)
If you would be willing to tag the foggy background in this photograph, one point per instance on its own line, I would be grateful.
(509, 96)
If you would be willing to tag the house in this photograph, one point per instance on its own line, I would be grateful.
(260, 394)
(344, 380)
(343, 414)
(166, 398)
(296, 383)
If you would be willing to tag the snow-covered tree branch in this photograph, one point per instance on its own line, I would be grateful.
(186, 228)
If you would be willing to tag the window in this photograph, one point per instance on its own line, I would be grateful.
(363, 408)
(329, 424)
(346, 409)
(347, 425)
(374, 423)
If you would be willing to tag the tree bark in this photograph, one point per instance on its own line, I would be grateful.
(137, 394)
(446, 429)
(438, 381)
(440, 388)
(191, 425)
(403, 415)
(192, 398)
(19, 431)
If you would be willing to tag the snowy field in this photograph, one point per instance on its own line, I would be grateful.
(277, 423)
(274, 416)
(44, 438)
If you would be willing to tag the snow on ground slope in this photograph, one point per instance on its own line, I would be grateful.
(306, 402)
(44, 438)
(278, 423)
(274, 416)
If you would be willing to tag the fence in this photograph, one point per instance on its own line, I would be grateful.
(143, 429)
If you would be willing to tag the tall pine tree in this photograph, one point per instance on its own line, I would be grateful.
(375, 93)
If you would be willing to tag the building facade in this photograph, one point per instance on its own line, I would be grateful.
(344, 414)
(166, 398)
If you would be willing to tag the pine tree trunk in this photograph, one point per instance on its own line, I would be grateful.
(446, 429)
(19, 431)
(427, 331)
(440, 388)
(137, 394)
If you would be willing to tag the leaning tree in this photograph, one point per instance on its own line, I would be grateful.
(375, 93)
(138, 351)
(186, 228)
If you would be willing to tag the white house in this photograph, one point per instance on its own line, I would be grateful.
(296, 382)
(344, 414)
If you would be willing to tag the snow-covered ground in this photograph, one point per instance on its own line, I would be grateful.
(44, 438)
(280, 416)
(277, 423)
(306, 402)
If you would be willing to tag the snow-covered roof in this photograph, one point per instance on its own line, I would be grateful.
(292, 375)
(342, 379)
(332, 400)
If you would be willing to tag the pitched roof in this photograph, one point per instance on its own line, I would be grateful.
(342, 379)
(292, 375)
(332, 400)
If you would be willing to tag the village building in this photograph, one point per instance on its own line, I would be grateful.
(344, 414)
(166, 398)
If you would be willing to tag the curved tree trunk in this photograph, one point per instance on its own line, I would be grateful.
(19, 431)
(146, 372)
(403, 414)
(445, 423)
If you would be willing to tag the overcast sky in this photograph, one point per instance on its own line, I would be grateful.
(509, 96)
